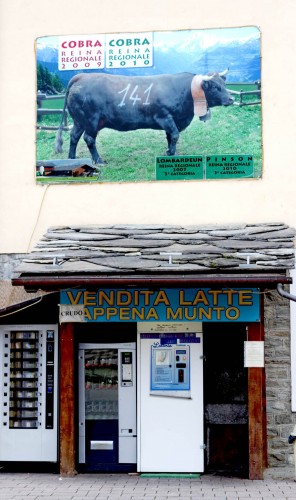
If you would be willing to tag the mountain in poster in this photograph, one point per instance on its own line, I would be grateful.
(241, 56)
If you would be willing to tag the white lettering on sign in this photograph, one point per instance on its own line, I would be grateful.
(133, 95)
(81, 52)
(129, 50)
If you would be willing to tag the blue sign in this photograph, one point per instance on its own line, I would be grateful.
(163, 305)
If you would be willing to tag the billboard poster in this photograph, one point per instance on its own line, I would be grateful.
(149, 106)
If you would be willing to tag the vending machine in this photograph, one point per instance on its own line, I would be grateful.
(28, 396)
(170, 398)
(107, 407)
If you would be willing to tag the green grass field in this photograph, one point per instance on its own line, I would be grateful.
(130, 156)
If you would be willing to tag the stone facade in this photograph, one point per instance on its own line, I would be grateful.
(11, 295)
(280, 419)
(8, 263)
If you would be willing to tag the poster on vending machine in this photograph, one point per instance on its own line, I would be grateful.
(149, 106)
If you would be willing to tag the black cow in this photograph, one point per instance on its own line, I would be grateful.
(162, 102)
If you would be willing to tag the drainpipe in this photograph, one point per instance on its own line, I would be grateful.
(292, 437)
(285, 294)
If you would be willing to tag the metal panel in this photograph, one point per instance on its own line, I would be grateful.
(102, 445)
(127, 412)
(128, 450)
(123, 345)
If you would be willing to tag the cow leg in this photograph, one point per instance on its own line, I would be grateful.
(173, 143)
(90, 139)
(75, 135)
(169, 139)
(167, 123)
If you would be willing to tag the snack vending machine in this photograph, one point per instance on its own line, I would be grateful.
(28, 396)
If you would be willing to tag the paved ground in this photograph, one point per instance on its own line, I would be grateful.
(277, 484)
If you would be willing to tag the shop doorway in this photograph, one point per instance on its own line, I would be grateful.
(107, 407)
(226, 399)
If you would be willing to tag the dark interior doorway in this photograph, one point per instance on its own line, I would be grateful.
(226, 399)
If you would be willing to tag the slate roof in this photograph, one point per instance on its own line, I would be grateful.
(154, 249)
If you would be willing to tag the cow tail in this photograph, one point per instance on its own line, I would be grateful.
(59, 139)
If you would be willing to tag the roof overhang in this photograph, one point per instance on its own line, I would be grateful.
(54, 283)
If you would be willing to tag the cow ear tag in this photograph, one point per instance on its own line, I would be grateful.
(199, 98)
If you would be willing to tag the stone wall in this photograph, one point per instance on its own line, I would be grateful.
(8, 262)
(280, 419)
(11, 295)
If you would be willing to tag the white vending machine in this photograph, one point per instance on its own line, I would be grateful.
(28, 396)
(170, 398)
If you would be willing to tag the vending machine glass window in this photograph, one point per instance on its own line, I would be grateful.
(23, 378)
(101, 384)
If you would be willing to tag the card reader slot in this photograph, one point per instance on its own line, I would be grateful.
(181, 376)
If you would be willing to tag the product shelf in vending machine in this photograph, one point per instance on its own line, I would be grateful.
(23, 404)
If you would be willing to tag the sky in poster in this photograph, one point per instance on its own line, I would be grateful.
(184, 40)
(195, 51)
(201, 39)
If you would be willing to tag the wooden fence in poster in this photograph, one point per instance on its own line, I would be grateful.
(42, 111)
(239, 95)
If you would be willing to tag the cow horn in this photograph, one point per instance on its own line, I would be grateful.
(207, 78)
(224, 73)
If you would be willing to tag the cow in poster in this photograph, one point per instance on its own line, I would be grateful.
(125, 103)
